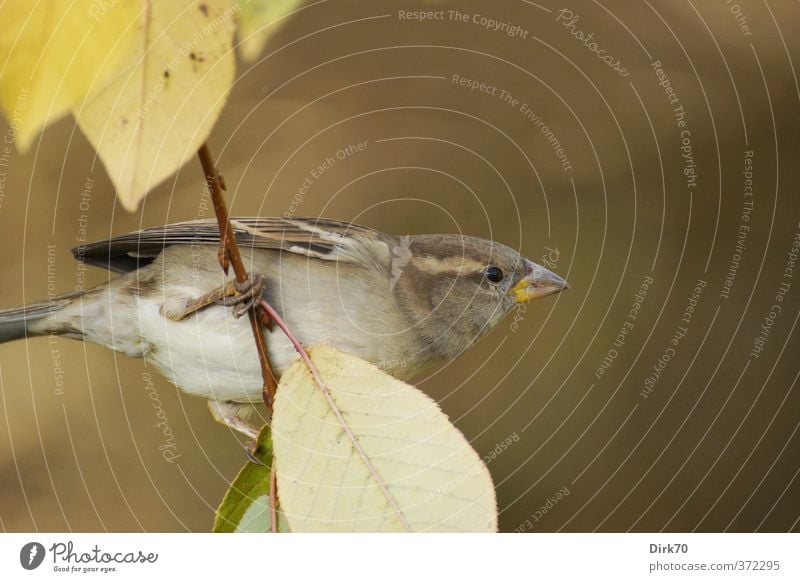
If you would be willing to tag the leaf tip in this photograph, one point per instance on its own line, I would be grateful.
(129, 200)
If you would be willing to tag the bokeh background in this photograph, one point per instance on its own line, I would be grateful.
(712, 446)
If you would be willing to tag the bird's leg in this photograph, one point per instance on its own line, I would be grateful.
(227, 413)
(178, 310)
(247, 294)
(241, 296)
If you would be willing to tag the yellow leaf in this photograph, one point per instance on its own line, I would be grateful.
(369, 453)
(162, 106)
(53, 53)
(258, 19)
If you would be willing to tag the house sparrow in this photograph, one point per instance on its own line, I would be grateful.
(402, 303)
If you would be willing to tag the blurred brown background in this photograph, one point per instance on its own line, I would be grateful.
(713, 446)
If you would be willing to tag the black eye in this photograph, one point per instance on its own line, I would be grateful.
(494, 274)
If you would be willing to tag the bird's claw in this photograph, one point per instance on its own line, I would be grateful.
(248, 452)
(247, 294)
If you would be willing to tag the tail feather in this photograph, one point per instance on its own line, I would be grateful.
(18, 322)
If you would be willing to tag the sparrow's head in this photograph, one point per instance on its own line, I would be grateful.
(466, 285)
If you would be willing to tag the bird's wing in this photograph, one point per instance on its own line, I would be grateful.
(318, 238)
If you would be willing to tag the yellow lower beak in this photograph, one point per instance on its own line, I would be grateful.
(537, 283)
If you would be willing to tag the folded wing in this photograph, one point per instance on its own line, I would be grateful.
(318, 238)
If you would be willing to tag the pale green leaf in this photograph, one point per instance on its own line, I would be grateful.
(370, 453)
(162, 105)
(256, 518)
(245, 506)
(258, 19)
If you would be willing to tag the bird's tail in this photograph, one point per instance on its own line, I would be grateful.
(31, 320)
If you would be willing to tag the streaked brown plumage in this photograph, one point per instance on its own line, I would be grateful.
(403, 303)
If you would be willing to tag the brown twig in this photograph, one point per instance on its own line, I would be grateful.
(273, 498)
(229, 256)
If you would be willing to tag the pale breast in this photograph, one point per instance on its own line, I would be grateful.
(212, 354)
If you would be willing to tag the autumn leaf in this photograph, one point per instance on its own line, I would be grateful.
(162, 105)
(53, 53)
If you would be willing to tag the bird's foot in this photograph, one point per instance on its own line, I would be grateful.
(227, 413)
(246, 294)
(178, 310)
(241, 296)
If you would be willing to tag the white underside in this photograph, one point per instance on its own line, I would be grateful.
(211, 353)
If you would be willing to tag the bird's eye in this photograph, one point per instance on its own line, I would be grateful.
(494, 274)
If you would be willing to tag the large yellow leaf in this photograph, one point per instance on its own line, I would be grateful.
(370, 453)
(258, 19)
(161, 108)
(52, 53)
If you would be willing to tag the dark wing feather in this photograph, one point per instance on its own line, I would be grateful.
(319, 238)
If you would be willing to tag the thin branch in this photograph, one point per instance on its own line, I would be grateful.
(273, 498)
(229, 256)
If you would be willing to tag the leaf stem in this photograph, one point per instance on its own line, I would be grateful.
(229, 255)
(273, 498)
(338, 413)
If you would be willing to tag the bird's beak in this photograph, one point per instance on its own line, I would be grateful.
(538, 282)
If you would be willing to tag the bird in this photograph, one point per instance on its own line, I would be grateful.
(403, 303)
